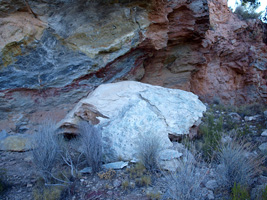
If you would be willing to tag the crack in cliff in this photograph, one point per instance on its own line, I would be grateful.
(154, 109)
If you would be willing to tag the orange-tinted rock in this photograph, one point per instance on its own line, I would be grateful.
(236, 59)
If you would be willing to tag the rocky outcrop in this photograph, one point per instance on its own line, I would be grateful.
(56, 52)
(236, 59)
(66, 49)
(130, 112)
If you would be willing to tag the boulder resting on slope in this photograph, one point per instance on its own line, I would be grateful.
(129, 111)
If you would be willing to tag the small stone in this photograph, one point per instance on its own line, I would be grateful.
(226, 139)
(115, 165)
(82, 180)
(29, 185)
(116, 183)
(23, 129)
(210, 195)
(86, 170)
(170, 165)
(252, 118)
(211, 184)
(235, 116)
(19, 142)
(264, 133)
(28, 158)
(169, 154)
(263, 147)
(265, 114)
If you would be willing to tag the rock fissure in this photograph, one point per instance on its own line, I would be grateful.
(154, 109)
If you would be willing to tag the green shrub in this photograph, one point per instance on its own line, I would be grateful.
(251, 109)
(125, 185)
(239, 192)
(48, 193)
(154, 196)
(143, 181)
(137, 171)
(264, 193)
(211, 130)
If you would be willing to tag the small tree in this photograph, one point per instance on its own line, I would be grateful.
(91, 144)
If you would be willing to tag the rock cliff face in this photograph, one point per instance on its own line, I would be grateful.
(55, 53)
(236, 59)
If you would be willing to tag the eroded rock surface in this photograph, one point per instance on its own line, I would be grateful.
(131, 111)
(236, 59)
(55, 54)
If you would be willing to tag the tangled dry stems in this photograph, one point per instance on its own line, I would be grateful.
(236, 166)
(91, 145)
(45, 149)
(185, 182)
(148, 150)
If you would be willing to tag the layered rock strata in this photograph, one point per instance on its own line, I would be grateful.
(55, 54)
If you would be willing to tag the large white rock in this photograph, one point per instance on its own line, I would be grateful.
(132, 111)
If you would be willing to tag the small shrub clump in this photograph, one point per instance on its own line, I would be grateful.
(239, 192)
(235, 166)
(211, 130)
(148, 150)
(91, 139)
(185, 183)
(45, 149)
(107, 175)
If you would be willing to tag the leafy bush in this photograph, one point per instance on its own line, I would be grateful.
(239, 192)
(211, 130)
(91, 139)
(148, 150)
(45, 149)
(236, 167)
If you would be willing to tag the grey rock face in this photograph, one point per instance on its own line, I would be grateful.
(48, 64)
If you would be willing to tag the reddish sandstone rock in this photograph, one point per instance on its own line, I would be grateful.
(236, 59)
